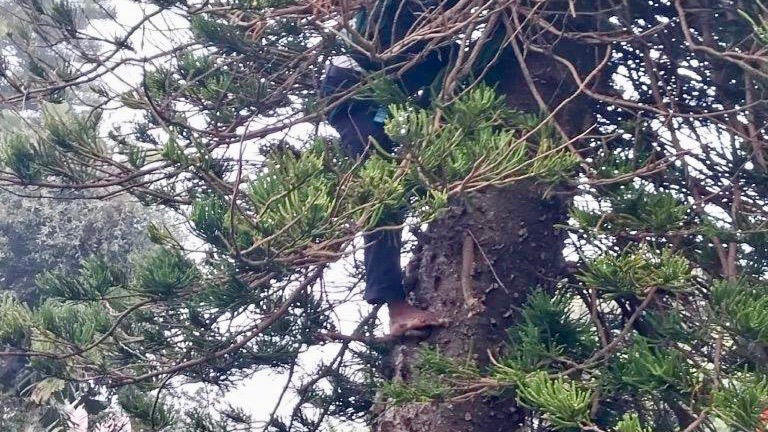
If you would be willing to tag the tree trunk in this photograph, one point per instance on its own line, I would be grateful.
(479, 262)
(476, 265)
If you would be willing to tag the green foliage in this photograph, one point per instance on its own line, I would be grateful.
(95, 280)
(14, 320)
(483, 108)
(670, 325)
(294, 199)
(46, 388)
(640, 209)
(150, 410)
(61, 148)
(227, 37)
(634, 208)
(76, 323)
(67, 131)
(437, 378)
(428, 206)
(164, 273)
(742, 307)
(586, 219)
(382, 184)
(382, 90)
(439, 365)
(208, 216)
(622, 161)
(64, 13)
(631, 423)
(417, 390)
(175, 153)
(474, 136)
(548, 330)
(759, 23)
(658, 317)
(741, 401)
(564, 404)
(651, 368)
(634, 272)
(17, 153)
(558, 323)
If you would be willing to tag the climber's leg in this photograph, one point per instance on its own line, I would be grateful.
(384, 282)
(356, 123)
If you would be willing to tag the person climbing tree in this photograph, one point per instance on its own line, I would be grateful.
(360, 122)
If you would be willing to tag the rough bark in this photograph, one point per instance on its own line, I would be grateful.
(479, 262)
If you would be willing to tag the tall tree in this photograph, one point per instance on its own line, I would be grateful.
(625, 137)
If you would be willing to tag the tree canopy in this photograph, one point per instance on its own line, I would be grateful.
(646, 118)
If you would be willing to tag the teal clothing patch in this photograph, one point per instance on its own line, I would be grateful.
(361, 20)
(381, 115)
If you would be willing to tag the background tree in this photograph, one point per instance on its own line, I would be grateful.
(634, 127)
(38, 236)
(58, 234)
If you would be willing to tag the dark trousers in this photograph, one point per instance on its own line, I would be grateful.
(356, 122)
